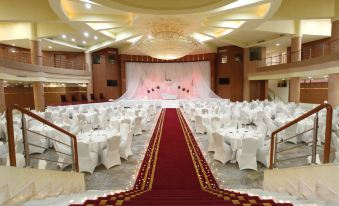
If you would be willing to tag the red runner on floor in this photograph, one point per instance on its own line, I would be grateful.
(174, 172)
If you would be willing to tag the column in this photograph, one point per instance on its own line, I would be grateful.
(2, 96)
(36, 52)
(335, 30)
(294, 90)
(296, 43)
(333, 89)
(39, 96)
(266, 89)
(250, 67)
(88, 61)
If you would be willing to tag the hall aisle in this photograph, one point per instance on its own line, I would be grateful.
(174, 172)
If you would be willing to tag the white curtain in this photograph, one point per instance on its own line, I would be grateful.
(189, 80)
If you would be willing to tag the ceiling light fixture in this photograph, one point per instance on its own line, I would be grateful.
(73, 40)
(64, 36)
(168, 40)
(277, 44)
(50, 47)
(95, 37)
(86, 34)
(13, 44)
(88, 6)
(84, 42)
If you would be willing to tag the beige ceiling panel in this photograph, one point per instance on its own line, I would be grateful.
(26, 10)
(106, 26)
(255, 12)
(10, 31)
(278, 26)
(52, 29)
(98, 18)
(305, 9)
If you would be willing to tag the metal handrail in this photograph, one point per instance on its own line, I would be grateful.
(300, 55)
(11, 141)
(327, 144)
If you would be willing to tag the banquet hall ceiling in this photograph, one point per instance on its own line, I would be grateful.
(79, 25)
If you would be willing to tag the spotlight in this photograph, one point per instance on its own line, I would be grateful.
(88, 6)
(86, 34)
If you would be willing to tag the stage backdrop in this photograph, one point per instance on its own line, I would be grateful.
(188, 80)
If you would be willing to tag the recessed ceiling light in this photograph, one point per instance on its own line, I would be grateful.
(13, 50)
(325, 76)
(50, 47)
(310, 77)
(86, 34)
(73, 40)
(64, 36)
(277, 44)
(95, 37)
(84, 42)
(13, 44)
(88, 6)
(283, 79)
(150, 36)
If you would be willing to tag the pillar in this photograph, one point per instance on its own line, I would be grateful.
(333, 89)
(296, 42)
(335, 30)
(2, 96)
(250, 67)
(88, 61)
(39, 96)
(35, 43)
(266, 89)
(294, 90)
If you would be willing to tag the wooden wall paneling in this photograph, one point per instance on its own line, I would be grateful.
(20, 95)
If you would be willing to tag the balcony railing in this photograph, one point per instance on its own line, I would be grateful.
(25, 57)
(318, 50)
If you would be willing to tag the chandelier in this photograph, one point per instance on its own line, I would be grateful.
(167, 40)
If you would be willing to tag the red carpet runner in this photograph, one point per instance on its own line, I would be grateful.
(174, 172)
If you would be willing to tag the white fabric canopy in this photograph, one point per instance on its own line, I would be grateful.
(189, 80)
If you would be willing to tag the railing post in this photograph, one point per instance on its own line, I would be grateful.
(25, 140)
(315, 138)
(272, 151)
(10, 136)
(328, 133)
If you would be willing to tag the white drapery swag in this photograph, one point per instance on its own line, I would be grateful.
(189, 80)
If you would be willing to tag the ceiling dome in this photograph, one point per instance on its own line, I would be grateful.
(164, 6)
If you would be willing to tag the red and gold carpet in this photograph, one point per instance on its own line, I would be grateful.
(174, 172)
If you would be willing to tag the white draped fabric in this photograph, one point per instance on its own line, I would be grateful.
(189, 80)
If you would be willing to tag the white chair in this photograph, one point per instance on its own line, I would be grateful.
(290, 132)
(246, 157)
(199, 127)
(114, 125)
(223, 152)
(215, 123)
(103, 121)
(86, 128)
(137, 126)
(210, 147)
(64, 154)
(110, 156)
(41, 143)
(87, 160)
(263, 153)
(125, 141)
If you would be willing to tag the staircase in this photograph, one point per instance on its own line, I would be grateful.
(91, 196)
(24, 184)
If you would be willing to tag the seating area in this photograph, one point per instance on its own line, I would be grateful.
(169, 102)
(240, 132)
(105, 133)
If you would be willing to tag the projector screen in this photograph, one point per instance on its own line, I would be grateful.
(187, 80)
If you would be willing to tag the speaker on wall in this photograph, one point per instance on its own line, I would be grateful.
(255, 53)
(224, 81)
(112, 83)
